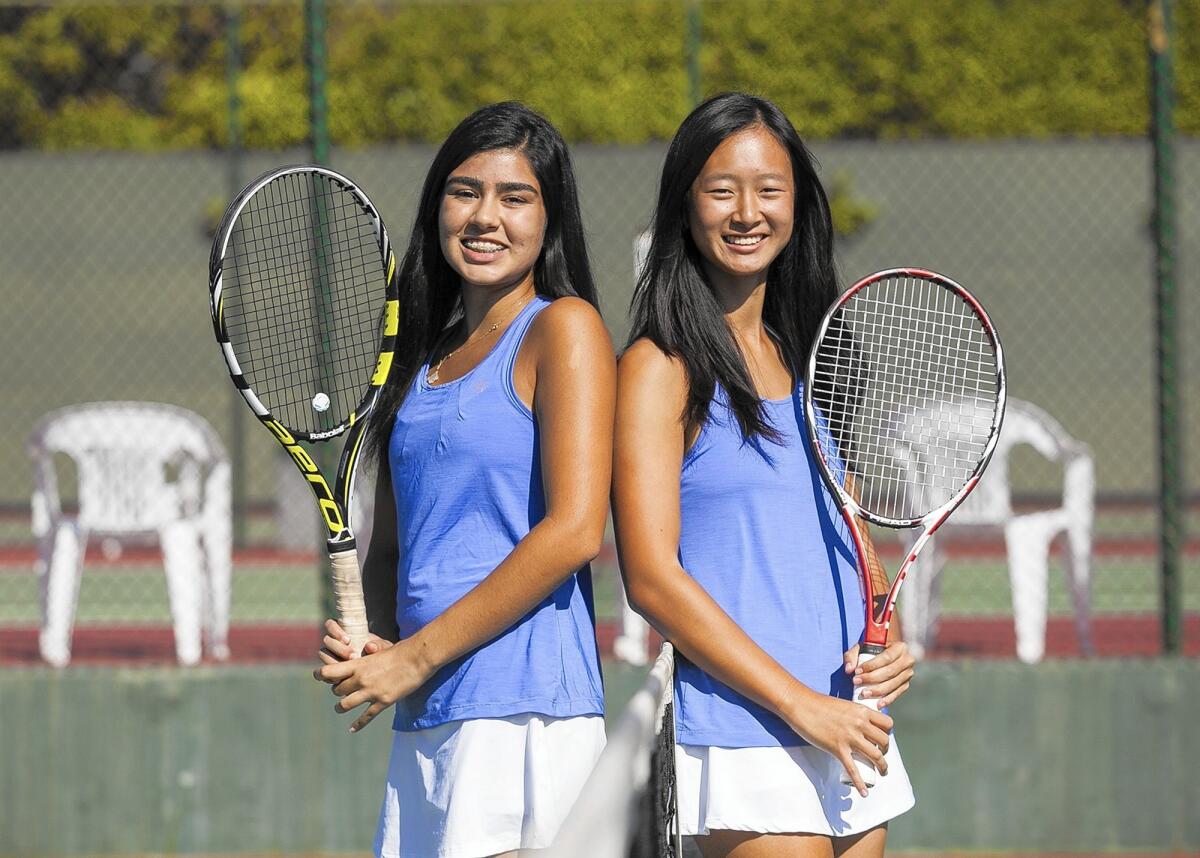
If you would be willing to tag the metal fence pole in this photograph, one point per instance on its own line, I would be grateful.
(318, 106)
(1170, 448)
(233, 162)
(318, 117)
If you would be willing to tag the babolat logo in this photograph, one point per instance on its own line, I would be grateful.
(329, 507)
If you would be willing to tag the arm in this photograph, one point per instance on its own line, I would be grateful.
(574, 379)
(649, 448)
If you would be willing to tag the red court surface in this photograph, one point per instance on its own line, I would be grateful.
(18, 559)
(1134, 636)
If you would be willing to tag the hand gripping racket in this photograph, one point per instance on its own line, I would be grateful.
(304, 305)
(903, 400)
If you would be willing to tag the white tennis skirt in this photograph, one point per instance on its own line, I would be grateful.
(474, 788)
(782, 791)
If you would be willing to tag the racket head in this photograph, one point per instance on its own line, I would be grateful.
(303, 296)
(904, 396)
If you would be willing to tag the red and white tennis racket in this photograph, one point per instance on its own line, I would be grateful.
(903, 397)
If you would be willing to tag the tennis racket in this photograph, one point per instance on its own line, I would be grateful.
(903, 399)
(304, 303)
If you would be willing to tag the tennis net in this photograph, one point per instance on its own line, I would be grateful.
(627, 807)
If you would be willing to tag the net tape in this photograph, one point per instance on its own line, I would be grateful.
(627, 807)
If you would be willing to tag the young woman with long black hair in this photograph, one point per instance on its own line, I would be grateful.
(729, 542)
(494, 453)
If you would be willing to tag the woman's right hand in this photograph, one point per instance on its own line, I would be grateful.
(336, 644)
(841, 728)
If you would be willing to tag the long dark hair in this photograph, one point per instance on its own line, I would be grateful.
(674, 305)
(429, 287)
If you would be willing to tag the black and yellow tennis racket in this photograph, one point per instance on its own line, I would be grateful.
(304, 304)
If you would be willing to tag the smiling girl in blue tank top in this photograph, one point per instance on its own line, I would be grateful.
(494, 453)
(729, 542)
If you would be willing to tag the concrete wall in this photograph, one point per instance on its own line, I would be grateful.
(1066, 756)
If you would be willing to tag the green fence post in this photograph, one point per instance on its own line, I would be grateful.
(1170, 450)
(318, 106)
(233, 163)
(318, 119)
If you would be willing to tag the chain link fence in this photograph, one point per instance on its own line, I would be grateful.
(129, 126)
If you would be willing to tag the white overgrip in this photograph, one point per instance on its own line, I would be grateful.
(866, 769)
(348, 597)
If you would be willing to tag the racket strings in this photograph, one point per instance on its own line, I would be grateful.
(281, 259)
(937, 359)
(303, 281)
(906, 383)
(906, 398)
(331, 362)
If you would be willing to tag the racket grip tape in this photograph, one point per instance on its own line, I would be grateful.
(866, 769)
(348, 596)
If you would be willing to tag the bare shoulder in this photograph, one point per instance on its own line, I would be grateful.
(567, 340)
(645, 365)
(570, 317)
(652, 390)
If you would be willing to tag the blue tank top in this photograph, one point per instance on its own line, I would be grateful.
(466, 473)
(762, 534)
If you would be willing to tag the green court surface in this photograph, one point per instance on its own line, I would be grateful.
(275, 593)
(268, 593)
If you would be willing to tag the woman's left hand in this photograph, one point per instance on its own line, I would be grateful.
(336, 644)
(886, 676)
(379, 679)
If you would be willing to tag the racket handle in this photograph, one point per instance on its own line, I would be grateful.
(866, 769)
(348, 596)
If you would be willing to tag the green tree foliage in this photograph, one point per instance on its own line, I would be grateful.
(75, 77)
(150, 77)
(603, 72)
(1186, 52)
(937, 68)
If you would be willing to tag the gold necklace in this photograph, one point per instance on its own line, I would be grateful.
(434, 373)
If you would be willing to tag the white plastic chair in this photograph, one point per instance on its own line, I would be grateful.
(1027, 537)
(144, 469)
(632, 644)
